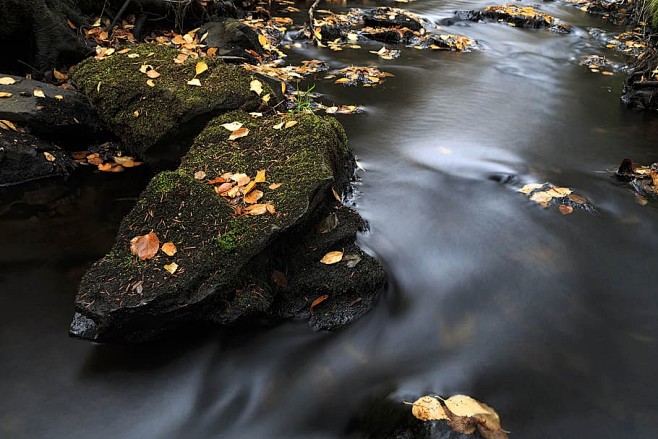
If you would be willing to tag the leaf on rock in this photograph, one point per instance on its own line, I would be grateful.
(4, 94)
(256, 209)
(278, 126)
(145, 246)
(152, 74)
(428, 408)
(240, 132)
(200, 175)
(319, 300)
(38, 93)
(200, 67)
(270, 208)
(530, 187)
(352, 260)
(328, 224)
(253, 196)
(169, 248)
(256, 86)
(7, 125)
(290, 123)
(274, 186)
(171, 268)
(241, 179)
(232, 126)
(59, 75)
(195, 82)
(279, 278)
(150, 83)
(7, 80)
(332, 258)
(260, 176)
(463, 405)
(49, 156)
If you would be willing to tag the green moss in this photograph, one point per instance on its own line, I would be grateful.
(228, 241)
(164, 182)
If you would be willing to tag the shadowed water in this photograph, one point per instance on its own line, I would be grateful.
(550, 319)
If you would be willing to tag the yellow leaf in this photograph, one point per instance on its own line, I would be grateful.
(260, 176)
(232, 126)
(542, 198)
(428, 408)
(267, 98)
(38, 93)
(463, 405)
(171, 268)
(7, 125)
(278, 126)
(342, 80)
(240, 132)
(200, 67)
(133, 55)
(332, 258)
(530, 187)
(145, 67)
(290, 123)
(195, 82)
(49, 156)
(253, 196)
(4, 94)
(262, 39)
(274, 186)
(169, 248)
(59, 97)
(59, 75)
(150, 83)
(256, 86)
(152, 74)
(7, 80)
(121, 52)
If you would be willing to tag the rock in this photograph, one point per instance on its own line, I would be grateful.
(384, 17)
(519, 16)
(62, 116)
(225, 258)
(24, 158)
(163, 119)
(640, 88)
(233, 39)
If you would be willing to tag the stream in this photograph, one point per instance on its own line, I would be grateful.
(551, 319)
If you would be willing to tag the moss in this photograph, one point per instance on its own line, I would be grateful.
(164, 182)
(228, 241)
(144, 116)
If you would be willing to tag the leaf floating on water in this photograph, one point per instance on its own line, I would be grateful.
(7, 80)
(256, 86)
(319, 300)
(428, 408)
(565, 210)
(145, 246)
(171, 268)
(530, 187)
(169, 248)
(332, 258)
(240, 132)
(232, 126)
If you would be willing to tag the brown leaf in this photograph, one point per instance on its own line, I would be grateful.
(274, 186)
(223, 188)
(145, 246)
(152, 74)
(240, 132)
(253, 196)
(319, 300)
(332, 258)
(270, 208)
(217, 180)
(577, 199)
(169, 248)
(212, 51)
(171, 268)
(241, 179)
(49, 156)
(59, 75)
(565, 210)
(256, 209)
(280, 279)
(428, 408)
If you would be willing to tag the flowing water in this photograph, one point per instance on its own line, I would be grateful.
(550, 319)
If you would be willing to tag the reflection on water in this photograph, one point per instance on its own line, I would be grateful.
(550, 319)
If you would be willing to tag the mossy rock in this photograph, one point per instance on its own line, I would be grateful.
(144, 117)
(224, 260)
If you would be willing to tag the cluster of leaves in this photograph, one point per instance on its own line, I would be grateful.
(239, 190)
(354, 75)
(452, 42)
(598, 64)
(147, 247)
(463, 414)
(512, 11)
(546, 194)
(115, 163)
(643, 179)
(631, 43)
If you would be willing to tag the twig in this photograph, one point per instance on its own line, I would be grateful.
(311, 11)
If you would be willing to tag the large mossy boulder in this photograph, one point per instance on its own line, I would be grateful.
(232, 266)
(161, 111)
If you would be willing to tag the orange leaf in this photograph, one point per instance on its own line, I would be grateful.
(270, 208)
(217, 180)
(256, 209)
(152, 74)
(224, 187)
(212, 51)
(241, 179)
(332, 258)
(253, 196)
(169, 248)
(240, 132)
(145, 246)
(319, 300)
(274, 186)
(565, 210)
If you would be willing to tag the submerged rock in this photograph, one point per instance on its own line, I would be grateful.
(519, 16)
(228, 254)
(161, 111)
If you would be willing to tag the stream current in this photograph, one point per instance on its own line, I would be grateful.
(550, 319)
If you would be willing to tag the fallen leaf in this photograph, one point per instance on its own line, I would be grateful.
(195, 82)
(328, 224)
(253, 196)
(270, 208)
(463, 405)
(224, 187)
(150, 83)
(169, 248)
(336, 196)
(256, 209)
(133, 55)
(428, 408)
(200, 67)
(59, 75)
(171, 268)
(7, 125)
(332, 258)
(4, 94)
(352, 260)
(124, 51)
(152, 74)
(216, 180)
(145, 246)
(240, 132)
(199, 175)
(530, 187)
(145, 67)
(278, 126)
(267, 98)
(7, 80)
(256, 86)
(49, 156)
(59, 97)
(318, 301)
(565, 210)
(39, 93)
(212, 51)
(274, 186)
(110, 167)
(260, 176)
(232, 126)
(290, 123)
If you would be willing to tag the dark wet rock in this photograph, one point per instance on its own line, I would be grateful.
(233, 39)
(389, 35)
(385, 17)
(330, 32)
(640, 88)
(615, 11)
(226, 260)
(63, 116)
(642, 179)
(162, 120)
(25, 158)
(519, 16)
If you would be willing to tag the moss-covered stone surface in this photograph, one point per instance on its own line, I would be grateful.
(226, 260)
(144, 116)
